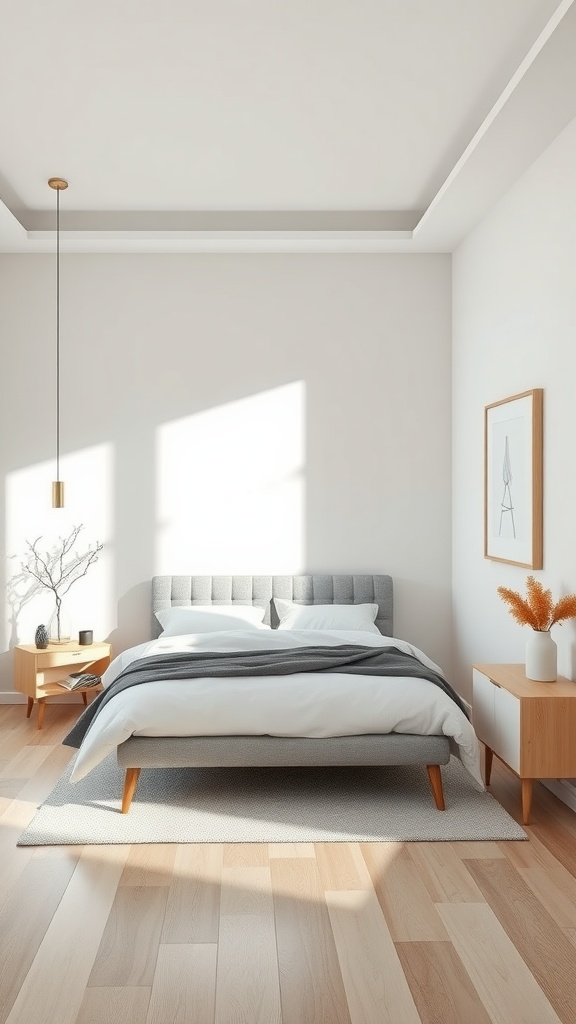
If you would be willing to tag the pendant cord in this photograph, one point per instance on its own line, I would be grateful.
(57, 333)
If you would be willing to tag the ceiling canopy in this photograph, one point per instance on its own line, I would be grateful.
(347, 124)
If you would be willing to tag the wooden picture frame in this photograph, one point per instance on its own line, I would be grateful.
(513, 495)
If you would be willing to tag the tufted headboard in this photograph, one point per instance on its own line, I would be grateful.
(185, 591)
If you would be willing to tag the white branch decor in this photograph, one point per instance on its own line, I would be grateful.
(57, 568)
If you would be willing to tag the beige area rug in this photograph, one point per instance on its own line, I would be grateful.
(271, 805)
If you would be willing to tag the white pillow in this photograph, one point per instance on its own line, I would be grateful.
(327, 616)
(210, 619)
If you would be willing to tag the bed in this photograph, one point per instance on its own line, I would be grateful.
(157, 738)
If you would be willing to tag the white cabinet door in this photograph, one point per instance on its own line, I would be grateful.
(496, 718)
(507, 727)
(483, 708)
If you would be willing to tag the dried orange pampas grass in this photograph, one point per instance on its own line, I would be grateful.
(537, 609)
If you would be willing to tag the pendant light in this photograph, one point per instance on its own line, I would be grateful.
(58, 184)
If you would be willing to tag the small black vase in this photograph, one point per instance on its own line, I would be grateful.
(41, 638)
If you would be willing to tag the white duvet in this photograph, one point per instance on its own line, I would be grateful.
(302, 704)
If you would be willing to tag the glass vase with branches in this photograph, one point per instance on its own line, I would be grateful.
(58, 568)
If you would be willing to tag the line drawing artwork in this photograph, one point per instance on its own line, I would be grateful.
(513, 480)
(507, 504)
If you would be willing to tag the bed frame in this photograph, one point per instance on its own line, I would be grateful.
(273, 751)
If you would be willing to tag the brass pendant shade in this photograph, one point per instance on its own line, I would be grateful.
(57, 494)
(58, 184)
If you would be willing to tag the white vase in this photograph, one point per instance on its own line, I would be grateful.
(541, 657)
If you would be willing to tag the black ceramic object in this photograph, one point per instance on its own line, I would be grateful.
(85, 637)
(41, 638)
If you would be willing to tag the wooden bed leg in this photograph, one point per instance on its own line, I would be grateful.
(130, 783)
(435, 780)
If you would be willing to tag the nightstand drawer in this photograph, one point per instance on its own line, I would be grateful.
(53, 659)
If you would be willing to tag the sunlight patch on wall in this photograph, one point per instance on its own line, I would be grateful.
(231, 487)
(29, 515)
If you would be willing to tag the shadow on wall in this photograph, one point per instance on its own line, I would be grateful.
(232, 413)
(133, 623)
(220, 490)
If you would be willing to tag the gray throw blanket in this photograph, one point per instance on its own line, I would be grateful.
(348, 658)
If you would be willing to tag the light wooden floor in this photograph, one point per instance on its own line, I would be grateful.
(438, 933)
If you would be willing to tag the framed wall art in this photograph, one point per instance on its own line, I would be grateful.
(513, 480)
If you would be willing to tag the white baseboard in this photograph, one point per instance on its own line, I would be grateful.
(11, 697)
(563, 789)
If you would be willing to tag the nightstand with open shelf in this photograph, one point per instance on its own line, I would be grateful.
(36, 672)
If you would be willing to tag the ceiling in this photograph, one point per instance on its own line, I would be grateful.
(348, 125)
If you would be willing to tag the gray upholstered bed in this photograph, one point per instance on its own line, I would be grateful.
(263, 751)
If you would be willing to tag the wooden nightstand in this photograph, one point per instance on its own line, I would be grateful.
(36, 672)
(530, 726)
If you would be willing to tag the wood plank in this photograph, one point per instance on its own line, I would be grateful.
(39, 888)
(58, 720)
(26, 762)
(110, 1005)
(17, 814)
(129, 946)
(557, 837)
(54, 986)
(361, 865)
(535, 853)
(444, 874)
(193, 907)
(184, 987)
(13, 740)
(149, 864)
(13, 859)
(538, 939)
(527, 855)
(339, 868)
(290, 850)
(247, 982)
(556, 891)
(470, 850)
(9, 789)
(552, 822)
(42, 782)
(311, 986)
(442, 990)
(12, 714)
(249, 855)
(375, 984)
(247, 891)
(405, 901)
(504, 983)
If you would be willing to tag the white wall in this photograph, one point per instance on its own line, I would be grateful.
(232, 414)
(514, 328)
